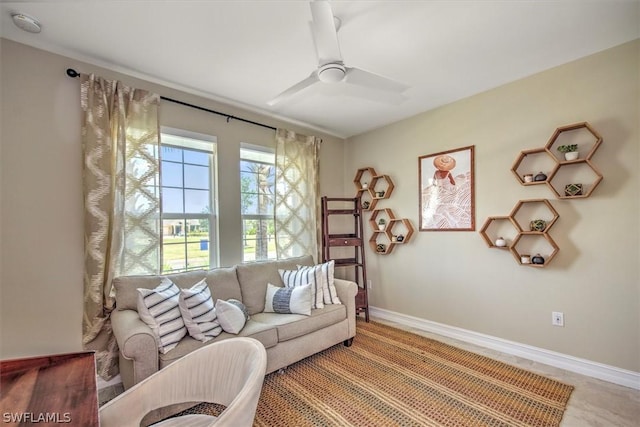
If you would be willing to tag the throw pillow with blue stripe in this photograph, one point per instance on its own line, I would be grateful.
(198, 312)
(313, 277)
(159, 309)
(296, 300)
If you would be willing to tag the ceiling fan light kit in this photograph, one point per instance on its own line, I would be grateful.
(26, 23)
(332, 73)
(331, 67)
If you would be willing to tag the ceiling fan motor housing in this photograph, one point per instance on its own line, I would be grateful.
(332, 72)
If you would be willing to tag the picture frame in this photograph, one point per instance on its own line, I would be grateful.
(447, 190)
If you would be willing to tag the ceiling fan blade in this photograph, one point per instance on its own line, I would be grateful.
(379, 96)
(324, 32)
(313, 78)
(374, 81)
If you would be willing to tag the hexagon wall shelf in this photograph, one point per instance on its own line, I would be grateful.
(567, 179)
(563, 174)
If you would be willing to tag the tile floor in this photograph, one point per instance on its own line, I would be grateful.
(593, 403)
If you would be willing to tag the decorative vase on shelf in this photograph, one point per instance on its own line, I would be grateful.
(399, 238)
(540, 177)
(528, 178)
(365, 204)
(365, 185)
(537, 259)
(500, 242)
(525, 259)
(570, 151)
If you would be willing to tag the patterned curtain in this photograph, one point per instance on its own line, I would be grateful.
(297, 201)
(120, 143)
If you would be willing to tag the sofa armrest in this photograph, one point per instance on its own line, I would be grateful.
(347, 291)
(137, 344)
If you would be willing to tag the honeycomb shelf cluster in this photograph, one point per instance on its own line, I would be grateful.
(516, 230)
(387, 230)
(561, 171)
(526, 228)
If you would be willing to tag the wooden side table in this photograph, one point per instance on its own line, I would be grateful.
(49, 390)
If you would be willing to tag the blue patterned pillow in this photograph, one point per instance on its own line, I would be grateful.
(296, 300)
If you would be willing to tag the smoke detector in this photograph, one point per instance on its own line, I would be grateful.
(26, 22)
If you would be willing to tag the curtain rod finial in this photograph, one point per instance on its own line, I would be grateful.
(72, 73)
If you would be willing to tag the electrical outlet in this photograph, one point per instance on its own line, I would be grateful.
(368, 283)
(557, 318)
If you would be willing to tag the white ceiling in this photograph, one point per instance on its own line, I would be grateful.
(246, 52)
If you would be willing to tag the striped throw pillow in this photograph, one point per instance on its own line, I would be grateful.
(296, 300)
(329, 293)
(198, 312)
(159, 309)
(313, 277)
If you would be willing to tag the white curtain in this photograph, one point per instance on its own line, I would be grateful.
(297, 198)
(120, 143)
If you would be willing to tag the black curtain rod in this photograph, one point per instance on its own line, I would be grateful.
(73, 74)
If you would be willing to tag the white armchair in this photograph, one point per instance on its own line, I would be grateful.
(229, 372)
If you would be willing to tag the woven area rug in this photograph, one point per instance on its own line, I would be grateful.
(390, 377)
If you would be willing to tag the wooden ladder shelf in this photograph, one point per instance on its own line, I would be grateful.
(350, 244)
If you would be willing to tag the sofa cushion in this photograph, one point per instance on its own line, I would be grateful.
(223, 282)
(266, 334)
(254, 276)
(198, 312)
(291, 326)
(296, 300)
(232, 315)
(159, 309)
(126, 286)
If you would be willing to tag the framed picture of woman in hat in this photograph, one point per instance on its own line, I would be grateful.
(447, 191)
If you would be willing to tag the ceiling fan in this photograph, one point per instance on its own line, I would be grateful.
(331, 68)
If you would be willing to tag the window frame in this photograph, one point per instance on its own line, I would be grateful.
(266, 151)
(206, 144)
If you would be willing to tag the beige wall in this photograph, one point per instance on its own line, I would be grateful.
(455, 279)
(40, 175)
(446, 277)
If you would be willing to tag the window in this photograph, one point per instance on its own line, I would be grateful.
(257, 181)
(188, 183)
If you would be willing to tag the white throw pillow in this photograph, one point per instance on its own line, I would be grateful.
(198, 312)
(329, 293)
(296, 300)
(313, 277)
(159, 309)
(232, 315)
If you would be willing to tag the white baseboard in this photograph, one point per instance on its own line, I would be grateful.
(559, 360)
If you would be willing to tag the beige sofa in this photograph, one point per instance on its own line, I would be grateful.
(286, 337)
